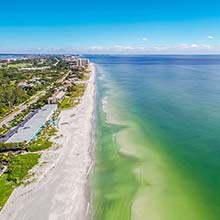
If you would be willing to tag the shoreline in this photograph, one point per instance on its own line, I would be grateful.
(60, 185)
(91, 152)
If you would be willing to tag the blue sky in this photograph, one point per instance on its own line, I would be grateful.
(116, 26)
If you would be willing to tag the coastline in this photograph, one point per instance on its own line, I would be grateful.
(59, 188)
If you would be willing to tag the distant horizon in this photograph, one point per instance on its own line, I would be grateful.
(114, 54)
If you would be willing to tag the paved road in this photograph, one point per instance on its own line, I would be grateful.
(64, 77)
(21, 108)
(34, 99)
(55, 64)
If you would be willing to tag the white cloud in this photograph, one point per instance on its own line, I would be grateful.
(185, 46)
(144, 39)
(182, 46)
(194, 45)
(179, 48)
(210, 37)
(206, 46)
(97, 48)
(160, 48)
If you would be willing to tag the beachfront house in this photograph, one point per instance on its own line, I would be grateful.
(57, 97)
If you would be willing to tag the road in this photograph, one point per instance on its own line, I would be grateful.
(64, 77)
(55, 64)
(20, 108)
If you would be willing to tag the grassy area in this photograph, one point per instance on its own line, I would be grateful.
(15, 174)
(19, 168)
(40, 144)
(6, 188)
(66, 103)
(17, 119)
(43, 142)
(73, 96)
(86, 75)
(3, 130)
(79, 90)
(19, 65)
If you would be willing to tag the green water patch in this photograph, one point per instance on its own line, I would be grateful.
(134, 179)
(163, 191)
(174, 191)
(113, 181)
(189, 176)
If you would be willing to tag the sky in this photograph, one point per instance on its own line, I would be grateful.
(116, 26)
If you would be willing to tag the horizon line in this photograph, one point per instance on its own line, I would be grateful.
(121, 54)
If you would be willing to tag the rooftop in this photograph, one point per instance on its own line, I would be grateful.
(32, 127)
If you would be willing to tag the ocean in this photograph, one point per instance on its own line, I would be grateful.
(157, 145)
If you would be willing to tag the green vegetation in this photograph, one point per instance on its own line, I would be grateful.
(74, 93)
(66, 103)
(19, 65)
(26, 83)
(18, 119)
(8, 99)
(6, 189)
(6, 158)
(18, 169)
(40, 144)
(20, 166)
(77, 91)
(43, 142)
(3, 130)
(11, 146)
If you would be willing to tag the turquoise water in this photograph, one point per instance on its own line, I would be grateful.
(157, 138)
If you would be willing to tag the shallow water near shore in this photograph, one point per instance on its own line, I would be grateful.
(157, 138)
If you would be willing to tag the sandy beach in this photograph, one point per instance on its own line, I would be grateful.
(59, 187)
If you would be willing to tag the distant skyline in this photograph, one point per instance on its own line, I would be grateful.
(122, 27)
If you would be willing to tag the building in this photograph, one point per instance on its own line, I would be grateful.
(67, 83)
(73, 80)
(26, 85)
(57, 97)
(85, 62)
(73, 63)
(78, 62)
(32, 127)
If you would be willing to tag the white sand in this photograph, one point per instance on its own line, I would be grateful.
(59, 190)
